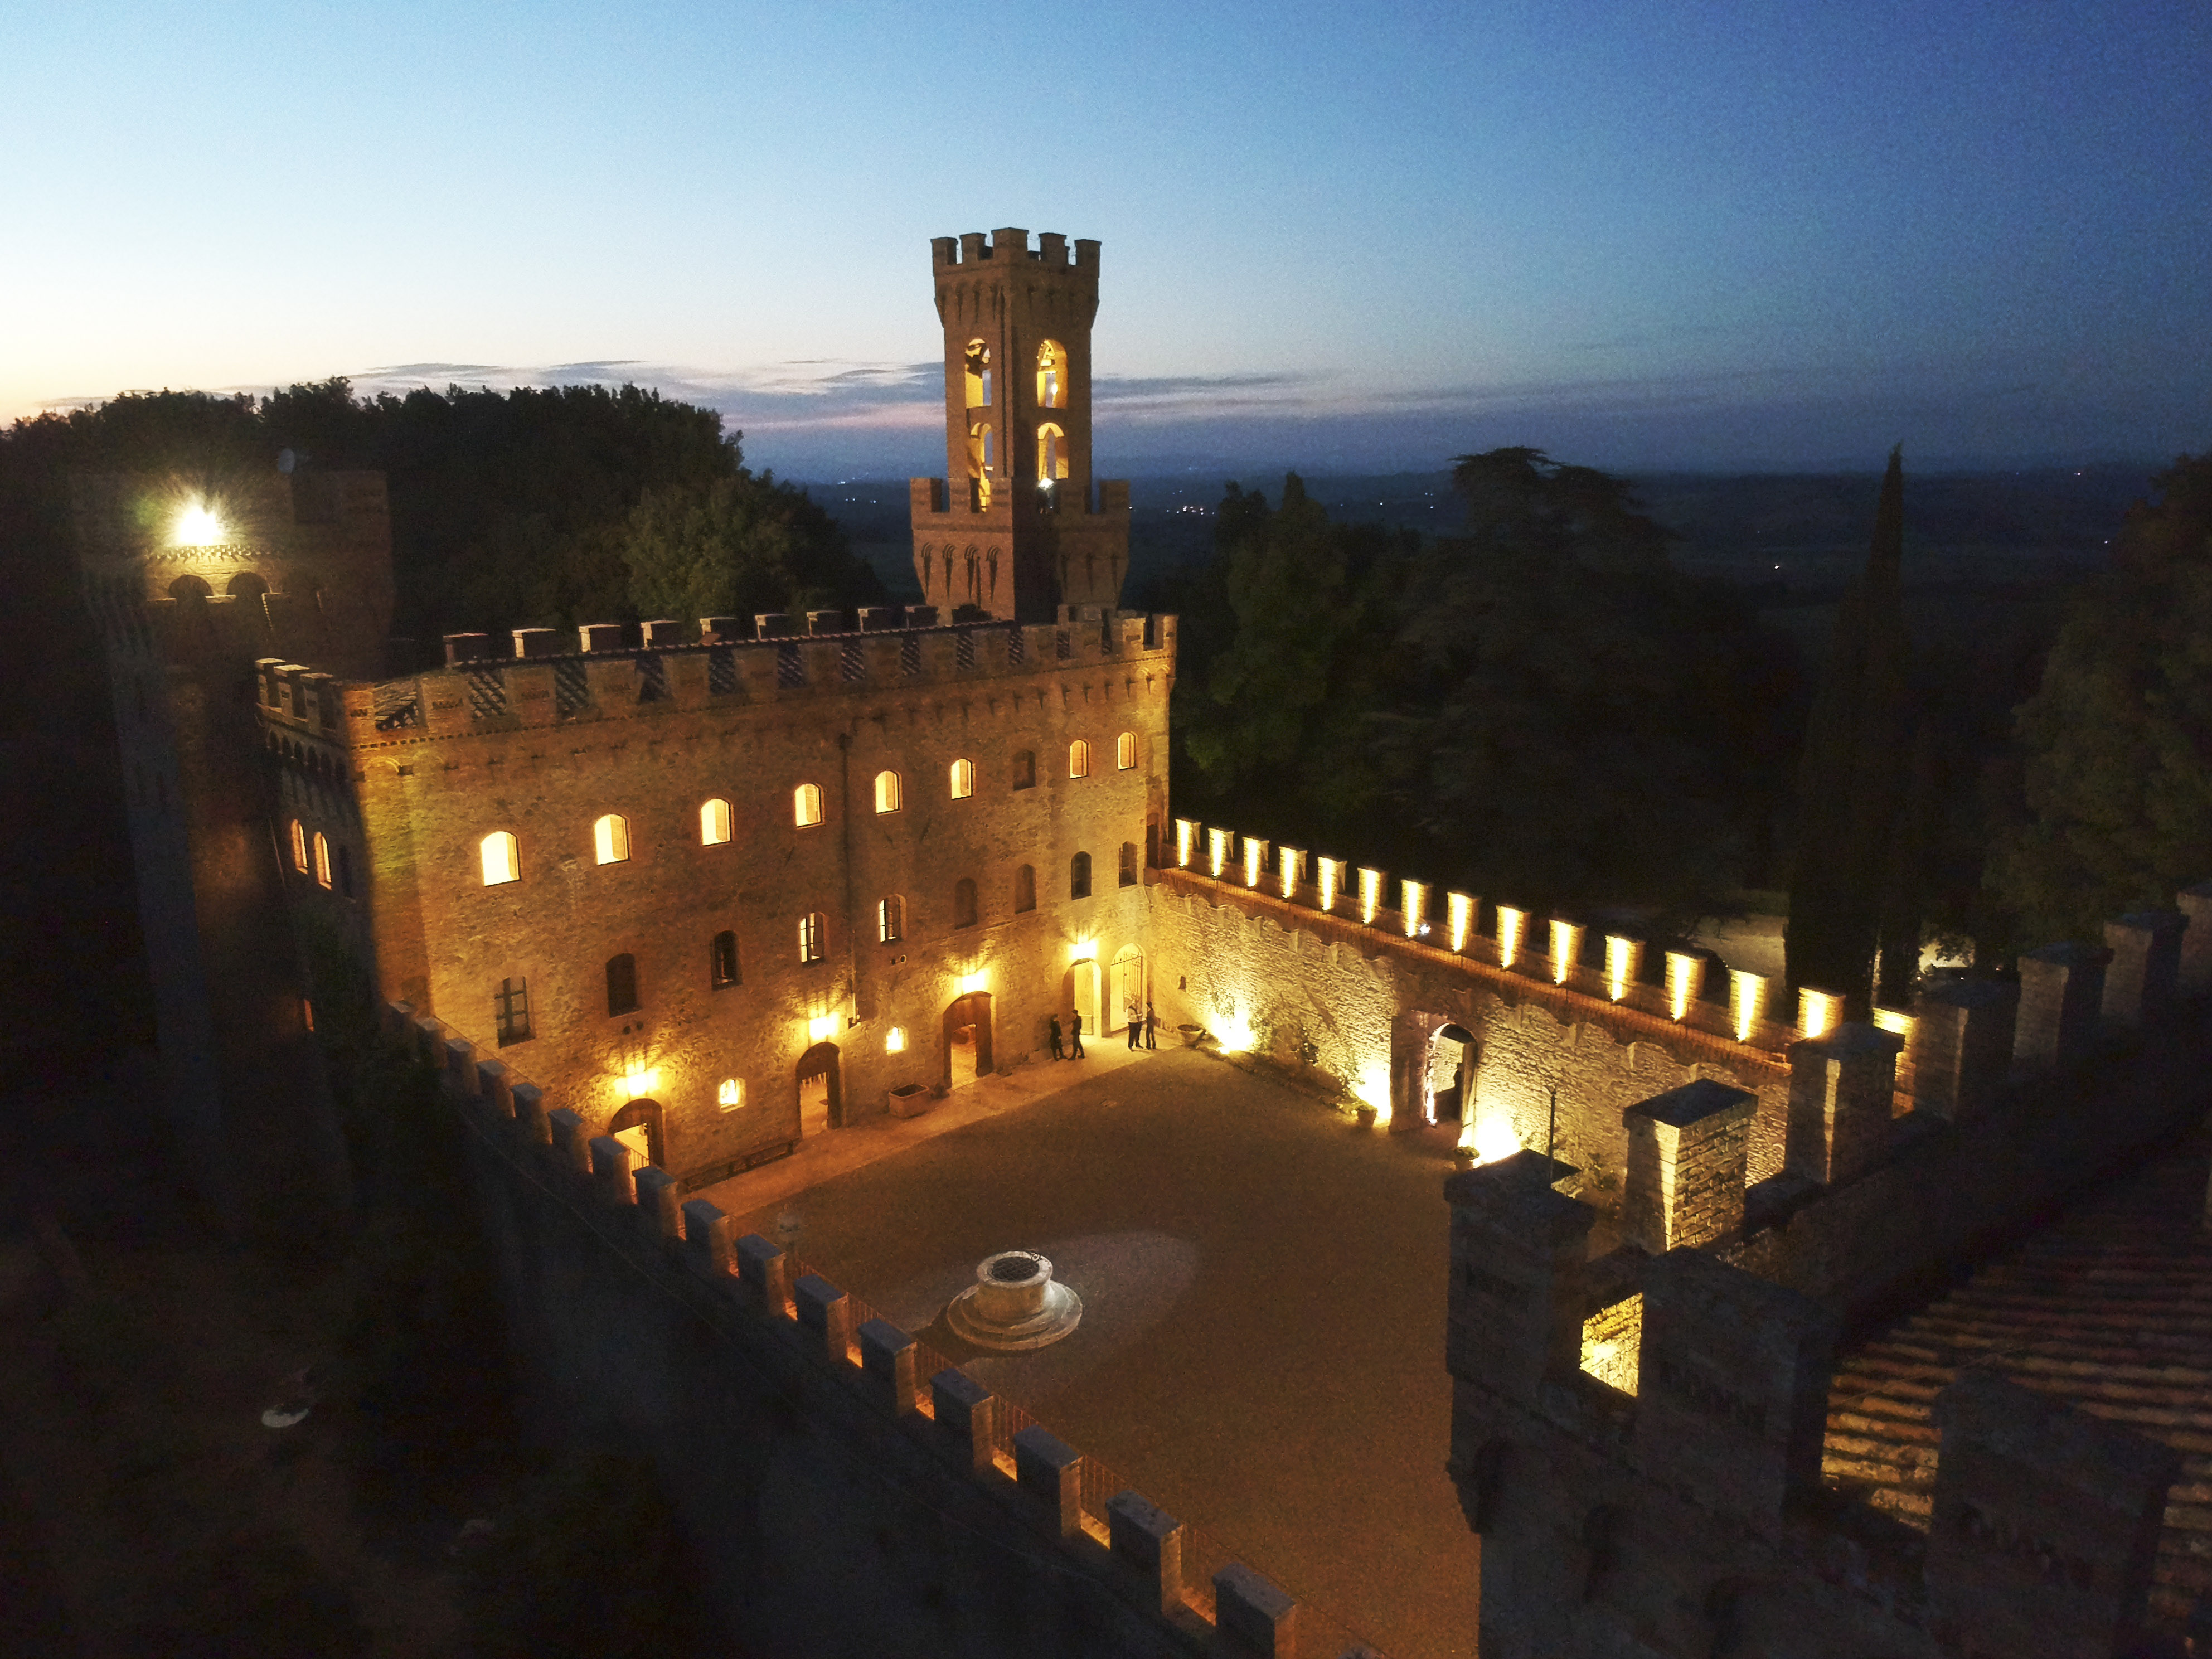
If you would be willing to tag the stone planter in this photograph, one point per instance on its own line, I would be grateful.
(1366, 1116)
(1191, 1034)
(909, 1100)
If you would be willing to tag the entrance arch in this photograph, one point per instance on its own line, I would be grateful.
(968, 1051)
(1082, 991)
(1124, 999)
(637, 1126)
(821, 1099)
(1452, 1054)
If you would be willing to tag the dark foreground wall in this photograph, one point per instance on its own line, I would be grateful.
(838, 1508)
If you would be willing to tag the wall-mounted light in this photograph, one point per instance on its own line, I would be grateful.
(197, 525)
(638, 1081)
(1082, 950)
(821, 1028)
(731, 1095)
(895, 1040)
(978, 980)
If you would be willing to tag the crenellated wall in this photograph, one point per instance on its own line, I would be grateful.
(850, 1493)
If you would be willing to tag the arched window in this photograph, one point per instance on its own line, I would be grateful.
(610, 838)
(979, 463)
(1026, 769)
(810, 936)
(501, 862)
(1128, 863)
(964, 902)
(887, 791)
(1052, 453)
(963, 778)
(299, 847)
(806, 804)
(1079, 759)
(979, 374)
(322, 860)
(890, 918)
(621, 984)
(1052, 376)
(345, 871)
(1125, 751)
(1025, 889)
(714, 822)
(1078, 876)
(722, 959)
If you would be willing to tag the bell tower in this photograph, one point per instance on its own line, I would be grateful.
(1017, 530)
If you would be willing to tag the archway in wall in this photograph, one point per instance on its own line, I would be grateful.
(637, 1126)
(1124, 998)
(1450, 1092)
(1079, 993)
(821, 1101)
(968, 1047)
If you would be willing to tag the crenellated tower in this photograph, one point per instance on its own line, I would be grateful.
(1015, 529)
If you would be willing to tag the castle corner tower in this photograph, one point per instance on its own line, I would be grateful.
(1016, 530)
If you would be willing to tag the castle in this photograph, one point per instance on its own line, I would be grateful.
(664, 906)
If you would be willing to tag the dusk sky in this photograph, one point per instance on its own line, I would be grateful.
(1640, 235)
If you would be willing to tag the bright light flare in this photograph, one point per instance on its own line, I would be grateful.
(822, 1027)
(1510, 921)
(978, 980)
(1492, 1139)
(1236, 1035)
(1619, 965)
(1373, 1089)
(198, 525)
(1461, 907)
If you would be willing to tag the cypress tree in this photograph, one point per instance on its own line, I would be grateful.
(1851, 778)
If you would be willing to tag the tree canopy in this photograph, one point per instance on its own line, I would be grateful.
(2116, 786)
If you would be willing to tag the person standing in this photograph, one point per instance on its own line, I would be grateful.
(1075, 1051)
(1056, 1054)
(1136, 1024)
(1152, 1025)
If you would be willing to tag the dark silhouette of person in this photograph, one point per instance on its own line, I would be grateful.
(1152, 1026)
(1075, 1047)
(1136, 1026)
(1056, 1053)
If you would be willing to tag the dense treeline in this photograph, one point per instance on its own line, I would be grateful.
(1542, 710)
(546, 507)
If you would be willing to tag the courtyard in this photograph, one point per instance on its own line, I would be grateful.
(1263, 1283)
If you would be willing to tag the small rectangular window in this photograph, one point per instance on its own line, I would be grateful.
(511, 1012)
(722, 959)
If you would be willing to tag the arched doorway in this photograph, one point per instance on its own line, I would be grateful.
(1452, 1057)
(968, 1048)
(637, 1126)
(1081, 993)
(1125, 1000)
(820, 1102)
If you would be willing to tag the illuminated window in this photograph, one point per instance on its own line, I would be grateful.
(890, 918)
(895, 1040)
(611, 839)
(963, 778)
(1051, 454)
(806, 804)
(714, 822)
(887, 791)
(300, 849)
(978, 365)
(1079, 759)
(1125, 751)
(510, 1011)
(497, 850)
(1128, 863)
(1052, 376)
(1078, 876)
(1024, 889)
(621, 984)
(979, 464)
(964, 902)
(722, 959)
(731, 1095)
(322, 860)
(810, 936)
(1026, 769)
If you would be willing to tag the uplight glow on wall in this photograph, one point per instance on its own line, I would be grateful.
(1236, 1036)
(1287, 861)
(1370, 895)
(1746, 1001)
(1332, 876)
(1818, 1012)
(1186, 832)
(1686, 975)
(978, 980)
(637, 1082)
(1255, 857)
(1414, 905)
(1619, 965)
(1510, 922)
(895, 1040)
(1459, 910)
(1567, 947)
(1216, 852)
(821, 1028)
(1373, 1089)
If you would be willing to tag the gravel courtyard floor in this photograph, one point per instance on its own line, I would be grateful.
(1262, 1350)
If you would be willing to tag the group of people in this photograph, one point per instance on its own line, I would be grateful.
(1143, 1032)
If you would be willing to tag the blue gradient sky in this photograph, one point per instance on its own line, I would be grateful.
(1641, 236)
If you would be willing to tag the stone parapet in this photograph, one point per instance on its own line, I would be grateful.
(1687, 1152)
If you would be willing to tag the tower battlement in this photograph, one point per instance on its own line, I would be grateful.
(1009, 248)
